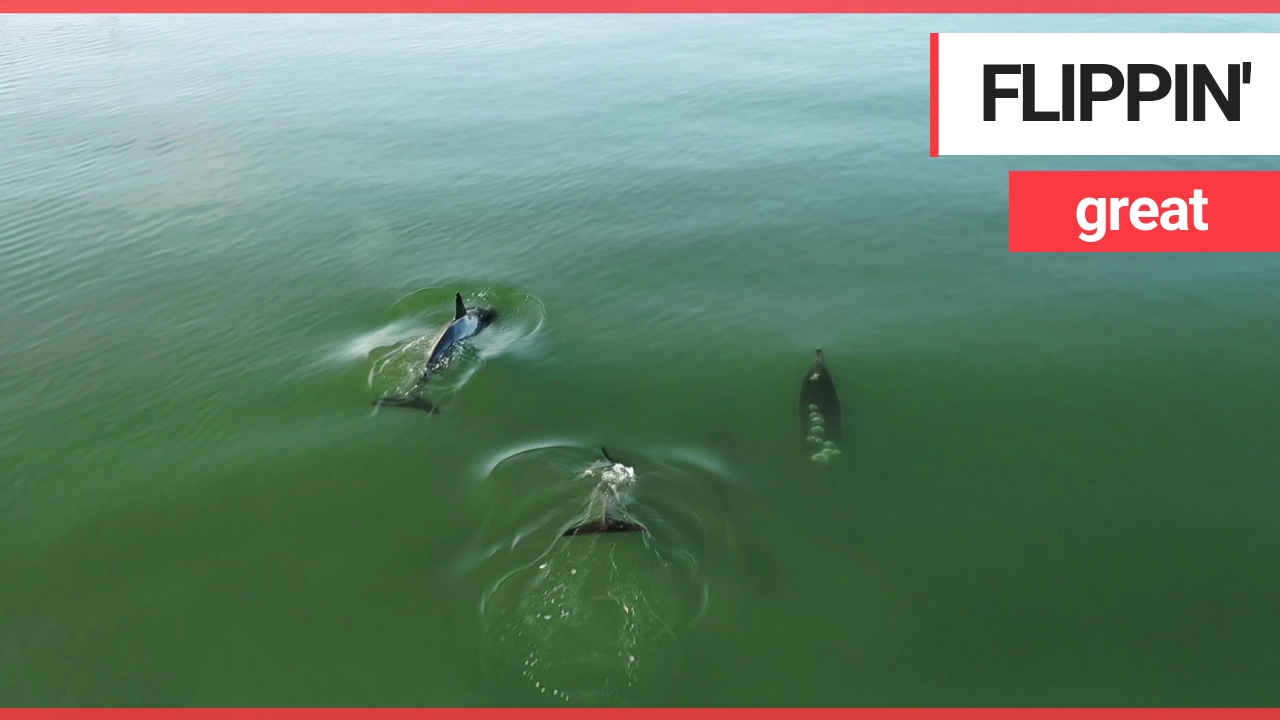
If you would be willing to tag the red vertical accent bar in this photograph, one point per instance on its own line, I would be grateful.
(933, 94)
(1016, 183)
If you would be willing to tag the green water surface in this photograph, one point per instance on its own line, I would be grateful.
(221, 238)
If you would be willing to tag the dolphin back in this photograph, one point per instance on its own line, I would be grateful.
(449, 339)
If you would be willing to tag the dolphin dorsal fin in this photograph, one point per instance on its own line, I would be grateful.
(605, 454)
(459, 308)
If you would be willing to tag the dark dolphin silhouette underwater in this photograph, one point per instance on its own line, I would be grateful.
(820, 419)
(466, 324)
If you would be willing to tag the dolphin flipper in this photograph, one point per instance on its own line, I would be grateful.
(415, 403)
(607, 525)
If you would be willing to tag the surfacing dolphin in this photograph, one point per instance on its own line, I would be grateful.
(608, 500)
(466, 324)
(590, 616)
(820, 410)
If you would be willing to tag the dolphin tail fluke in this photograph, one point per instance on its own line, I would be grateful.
(459, 307)
(607, 525)
(414, 403)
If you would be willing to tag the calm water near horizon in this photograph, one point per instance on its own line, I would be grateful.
(221, 238)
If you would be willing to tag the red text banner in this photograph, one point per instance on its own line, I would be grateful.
(1137, 211)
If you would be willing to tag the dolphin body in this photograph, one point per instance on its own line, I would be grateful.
(608, 501)
(466, 324)
(820, 409)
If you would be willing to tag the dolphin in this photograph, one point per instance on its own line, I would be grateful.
(820, 408)
(593, 620)
(466, 324)
(608, 500)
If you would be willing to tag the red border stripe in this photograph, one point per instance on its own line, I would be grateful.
(396, 713)
(645, 714)
(933, 94)
(641, 6)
